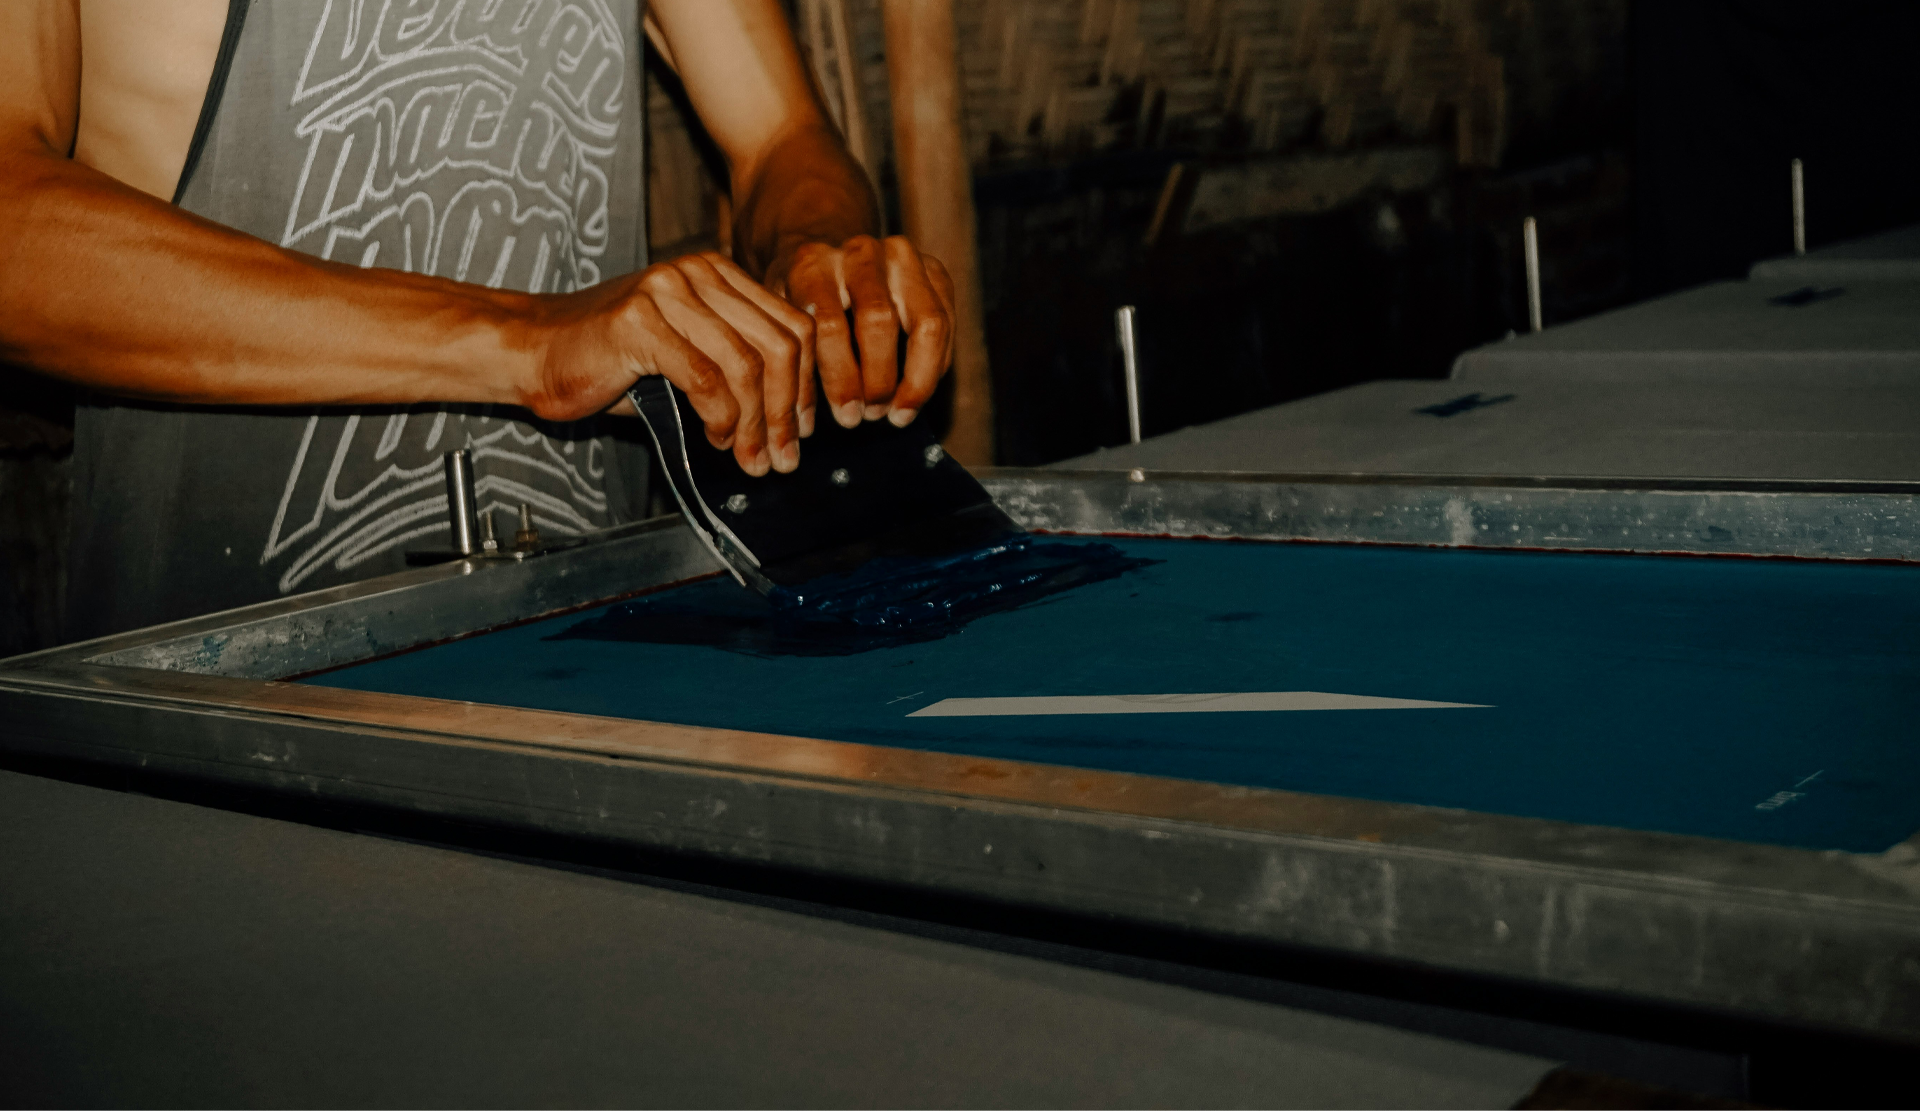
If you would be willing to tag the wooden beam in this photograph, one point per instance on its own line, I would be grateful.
(836, 76)
(936, 197)
(853, 102)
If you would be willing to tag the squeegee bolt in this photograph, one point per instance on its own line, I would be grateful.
(528, 537)
(841, 477)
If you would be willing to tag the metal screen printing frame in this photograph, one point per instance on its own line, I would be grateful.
(1823, 938)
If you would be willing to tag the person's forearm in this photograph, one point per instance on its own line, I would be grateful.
(805, 219)
(107, 287)
(792, 179)
(806, 188)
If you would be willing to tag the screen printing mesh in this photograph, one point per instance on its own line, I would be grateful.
(1757, 700)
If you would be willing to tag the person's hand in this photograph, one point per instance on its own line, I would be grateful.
(888, 287)
(743, 357)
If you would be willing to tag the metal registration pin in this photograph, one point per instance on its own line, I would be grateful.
(1799, 209)
(460, 501)
(1130, 360)
(1530, 232)
(471, 533)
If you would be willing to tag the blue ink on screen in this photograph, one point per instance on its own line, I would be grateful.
(886, 603)
(1638, 692)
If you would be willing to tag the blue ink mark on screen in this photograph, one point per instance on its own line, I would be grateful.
(1781, 798)
(1805, 295)
(886, 603)
(1465, 404)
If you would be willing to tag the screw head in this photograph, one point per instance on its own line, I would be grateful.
(934, 454)
(1136, 475)
(737, 503)
(841, 477)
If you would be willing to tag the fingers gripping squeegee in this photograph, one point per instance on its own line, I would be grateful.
(858, 493)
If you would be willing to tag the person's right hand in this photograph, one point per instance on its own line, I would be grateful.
(743, 357)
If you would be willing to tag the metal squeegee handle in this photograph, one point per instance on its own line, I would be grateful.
(660, 412)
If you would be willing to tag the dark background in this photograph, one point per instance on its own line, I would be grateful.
(1727, 92)
(1667, 169)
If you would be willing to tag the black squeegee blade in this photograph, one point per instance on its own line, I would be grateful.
(858, 493)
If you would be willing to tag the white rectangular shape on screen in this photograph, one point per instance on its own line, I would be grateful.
(1241, 701)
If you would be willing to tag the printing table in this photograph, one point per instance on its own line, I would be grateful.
(1472, 732)
(1798, 332)
(165, 954)
(1557, 426)
(1888, 256)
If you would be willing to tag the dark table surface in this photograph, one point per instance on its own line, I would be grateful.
(160, 953)
(1558, 426)
(1767, 331)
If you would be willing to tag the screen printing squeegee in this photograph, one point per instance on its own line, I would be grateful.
(858, 493)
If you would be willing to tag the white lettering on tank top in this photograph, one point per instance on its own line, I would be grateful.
(348, 520)
(468, 139)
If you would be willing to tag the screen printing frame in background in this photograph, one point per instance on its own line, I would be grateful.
(1828, 939)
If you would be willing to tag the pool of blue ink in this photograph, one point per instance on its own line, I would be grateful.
(1753, 700)
(888, 602)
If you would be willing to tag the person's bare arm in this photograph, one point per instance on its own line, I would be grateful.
(106, 286)
(805, 216)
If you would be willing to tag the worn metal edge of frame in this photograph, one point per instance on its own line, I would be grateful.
(1809, 520)
(1623, 485)
(1456, 890)
(349, 624)
(1772, 869)
(1825, 938)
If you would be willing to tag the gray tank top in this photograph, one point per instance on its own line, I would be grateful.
(489, 141)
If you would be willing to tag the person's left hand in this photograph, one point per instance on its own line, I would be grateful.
(888, 287)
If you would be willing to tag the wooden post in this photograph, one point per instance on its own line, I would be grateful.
(852, 97)
(936, 197)
(830, 52)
